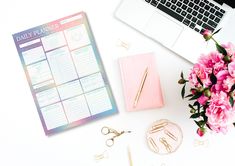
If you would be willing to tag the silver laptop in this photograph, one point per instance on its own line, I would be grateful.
(178, 24)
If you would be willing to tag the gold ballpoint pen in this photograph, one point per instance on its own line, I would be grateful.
(140, 87)
(129, 156)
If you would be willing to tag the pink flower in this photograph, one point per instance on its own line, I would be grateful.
(213, 78)
(231, 69)
(193, 91)
(200, 131)
(202, 99)
(220, 113)
(219, 66)
(221, 75)
(212, 61)
(228, 83)
(230, 48)
(199, 71)
(224, 82)
(207, 34)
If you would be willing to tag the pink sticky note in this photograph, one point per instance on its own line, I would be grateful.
(132, 69)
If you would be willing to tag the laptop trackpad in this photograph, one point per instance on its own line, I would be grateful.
(162, 29)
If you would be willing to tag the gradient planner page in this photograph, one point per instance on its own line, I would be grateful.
(65, 73)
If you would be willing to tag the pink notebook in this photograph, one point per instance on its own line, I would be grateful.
(132, 70)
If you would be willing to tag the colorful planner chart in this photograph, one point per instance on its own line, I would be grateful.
(65, 73)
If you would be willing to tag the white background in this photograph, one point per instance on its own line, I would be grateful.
(22, 140)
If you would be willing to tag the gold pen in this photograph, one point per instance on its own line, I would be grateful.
(129, 156)
(140, 87)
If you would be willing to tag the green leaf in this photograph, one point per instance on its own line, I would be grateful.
(190, 95)
(221, 49)
(216, 31)
(203, 114)
(183, 91)
(231, 101)
(196, 115)
(198, 124)
(202, 123)
(232, 88)
(191, 106)
(182, 75)
(196, 103)
(208, 126)
(196, 96)
(205, 118)
(213, 78)
(199, 80)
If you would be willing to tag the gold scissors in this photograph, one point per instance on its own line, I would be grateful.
(107, 130)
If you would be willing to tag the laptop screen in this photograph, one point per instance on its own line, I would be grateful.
(230, 3)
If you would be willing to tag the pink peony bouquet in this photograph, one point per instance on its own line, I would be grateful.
(212, 85)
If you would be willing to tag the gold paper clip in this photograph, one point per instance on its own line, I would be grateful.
(169, 134)
(158, 127)
(152, 142)
(156, 130)
(123, 44)
(201, 143)
(101, 156)
(166, 144)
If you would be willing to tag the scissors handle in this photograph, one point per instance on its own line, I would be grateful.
(109, 142)
(106, 130)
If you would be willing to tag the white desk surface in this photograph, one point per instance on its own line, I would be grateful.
(22, 140)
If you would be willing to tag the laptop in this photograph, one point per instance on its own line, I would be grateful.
(178, 24)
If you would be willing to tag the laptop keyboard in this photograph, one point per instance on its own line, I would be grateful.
(197, 14)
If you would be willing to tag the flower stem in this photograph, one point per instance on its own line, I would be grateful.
(214, 40)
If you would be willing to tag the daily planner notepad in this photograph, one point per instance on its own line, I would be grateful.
(65, 73)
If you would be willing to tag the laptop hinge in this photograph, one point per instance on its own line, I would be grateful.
(219, 2)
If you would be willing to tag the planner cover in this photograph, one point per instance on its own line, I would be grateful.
(132, 70)
(65, 73)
